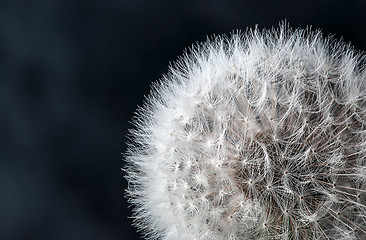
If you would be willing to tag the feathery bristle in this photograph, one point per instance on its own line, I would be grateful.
(257, 136)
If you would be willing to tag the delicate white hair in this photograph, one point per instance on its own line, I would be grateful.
(260, 135)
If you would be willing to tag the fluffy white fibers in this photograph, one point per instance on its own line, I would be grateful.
(260, 135)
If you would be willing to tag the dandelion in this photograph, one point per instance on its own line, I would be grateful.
(260, 135)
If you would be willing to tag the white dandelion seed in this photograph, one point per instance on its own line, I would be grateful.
(258, 136)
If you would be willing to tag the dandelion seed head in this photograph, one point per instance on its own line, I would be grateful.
(260, 135)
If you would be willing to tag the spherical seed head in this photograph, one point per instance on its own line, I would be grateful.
(256, 136)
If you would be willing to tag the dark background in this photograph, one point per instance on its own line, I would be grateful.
(71, 75)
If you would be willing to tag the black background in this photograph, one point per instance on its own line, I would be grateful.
(71, 75)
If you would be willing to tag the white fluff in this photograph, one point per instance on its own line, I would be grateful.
(257, 136)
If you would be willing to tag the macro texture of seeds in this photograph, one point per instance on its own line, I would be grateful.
(258, 136)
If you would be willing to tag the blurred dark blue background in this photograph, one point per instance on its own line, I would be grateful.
(71, 75)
